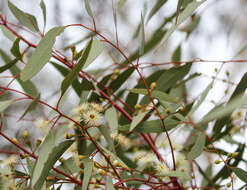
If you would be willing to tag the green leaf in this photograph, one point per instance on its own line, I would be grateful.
(68, 166)
(15, 50)
(202, 98)
(241, 87)
(156, 8)
(106, 133)
(8, 65)
(27, 86)
(153, 126)
(109, 184)
(118, 82)
(192, 25)
(190, 8)
(72, 75)
(197, 149)
(7, 33)
(88, 8)
(48, 155)
(222, 111)
(43, 8)
(96, 49)
(88, 169)
(142, 36)
(137, 119)
(5, 104)
(161, 96)
(41, 55)
(31, 106)
(240, 173)
(24, 18)
(176, 56)
(179, 174)
(30, 166)
(112, 119)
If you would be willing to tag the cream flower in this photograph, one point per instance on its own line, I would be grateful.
(92, 118)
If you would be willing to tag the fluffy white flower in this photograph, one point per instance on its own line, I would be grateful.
(92, 118)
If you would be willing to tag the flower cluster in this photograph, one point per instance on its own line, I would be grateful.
(89, 113)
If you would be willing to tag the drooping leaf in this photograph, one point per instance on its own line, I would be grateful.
(176, 56)
(156, 8)
(137, 119)
(118, 82)
(75, 71)
(197, 149)
(202, 98)
(88, 8)
(96, 49)
(42, 54)
(240, 173)
(190, 8)
(179, 174)
(27, 86)
(43, 8)
(88, 168)
(31, 106)
(24, 18)
(153, 126)
(112, 119)
(8, 65)
(192, 25)
(106, 133)
(162, 96)
(15, 49)
(222, 111)
(142, 36)
(109, 184)
(7, 33)
(5, 104)
(48, 155)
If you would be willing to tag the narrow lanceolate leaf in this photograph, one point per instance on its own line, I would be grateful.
(41, 55)
(8, 65)
(31, 106)
(88, 8)
(5, 104)
(88, 168)
(24, 18)
(15, 49)
(202, 98)
(197, 149)
(96, 49)
(75, 71)
(142, 36)
(7, 33)
(179, 174)
(240, 173)
(162, 96)
(176, 56)
(156, 8)
(182, 16)
(112, 119)
(109, 184)
(48, 155)
(222, 111)
(27, 86)
(43, 8)
(137, 119)
(106, 133)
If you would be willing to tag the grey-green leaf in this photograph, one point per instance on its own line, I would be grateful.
(197, 149)
(142, 36)
(156, 8)
(43, 8)
(179, 174)
(106, 133)
(7, 33)
(15, 49)
(88, 168)
(41, 55)
(109, 184)
(240, 173)
(112, 119)
(88, 8)
(137, 119)
(24, 18)
(5, 104)
(182, 16)
(72, 75)
(221, 111)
